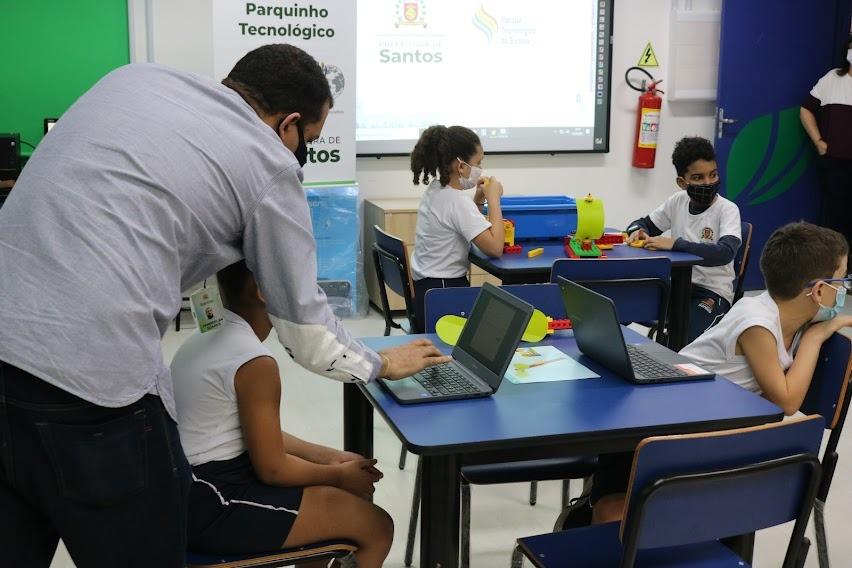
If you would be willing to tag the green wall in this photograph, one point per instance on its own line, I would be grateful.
(53, 51)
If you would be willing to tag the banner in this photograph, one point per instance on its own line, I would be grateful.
(323, 28)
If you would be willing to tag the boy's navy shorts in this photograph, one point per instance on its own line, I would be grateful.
(232, 512)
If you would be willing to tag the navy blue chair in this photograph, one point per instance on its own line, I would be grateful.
(829, 396)
(391, 261)
(327, 550)
(459, 301)
(640, 287)
(686, 492)
(741, 260)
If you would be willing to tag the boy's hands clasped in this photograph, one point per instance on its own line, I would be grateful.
(358, 477)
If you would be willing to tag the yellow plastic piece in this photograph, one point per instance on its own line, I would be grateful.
(449, 328)
(535, 252)
(509, 232)
(638, 244)
(590, 218)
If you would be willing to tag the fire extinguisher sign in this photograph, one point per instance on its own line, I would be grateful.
(649, 128)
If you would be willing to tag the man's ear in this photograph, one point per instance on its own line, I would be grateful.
(287, 121)
(681, 183)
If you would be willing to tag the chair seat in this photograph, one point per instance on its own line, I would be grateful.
(599, 547)
(283, 557)
(575, 467)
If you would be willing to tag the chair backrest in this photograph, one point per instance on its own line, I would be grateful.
(829, 392)
(829, 395)
(741, 259)
(392, 264)
(459, 301)
(702, 487)
(638, 286)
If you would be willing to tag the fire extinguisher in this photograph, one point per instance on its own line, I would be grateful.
(647, 120)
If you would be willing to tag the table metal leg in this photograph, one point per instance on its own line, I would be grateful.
(357, 421)
(679, 306)
(439, 511)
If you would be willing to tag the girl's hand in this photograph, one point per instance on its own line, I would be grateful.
(493, 191)
(821, 147)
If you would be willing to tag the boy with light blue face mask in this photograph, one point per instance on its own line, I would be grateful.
(768, 344)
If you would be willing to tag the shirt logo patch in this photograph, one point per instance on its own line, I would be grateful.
(707, 234)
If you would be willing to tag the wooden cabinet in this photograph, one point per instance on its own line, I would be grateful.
(399, 218)
(478, 276)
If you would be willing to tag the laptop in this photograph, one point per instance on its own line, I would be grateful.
(480, 357)
(599, 336)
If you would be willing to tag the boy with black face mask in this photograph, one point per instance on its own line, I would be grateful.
(702, 223)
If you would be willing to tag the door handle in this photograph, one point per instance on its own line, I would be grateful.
(721, 121)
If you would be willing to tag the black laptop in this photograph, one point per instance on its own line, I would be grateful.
(598, 334)
(480, 357)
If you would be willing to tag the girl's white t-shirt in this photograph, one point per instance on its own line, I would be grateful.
(447, 221)
(715, 349)
(203, 371)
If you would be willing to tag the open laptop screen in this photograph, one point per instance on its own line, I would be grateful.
(496, 323)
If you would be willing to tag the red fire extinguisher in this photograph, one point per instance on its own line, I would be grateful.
(647, 121)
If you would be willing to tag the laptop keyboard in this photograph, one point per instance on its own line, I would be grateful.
(445, 379)
(648, 367)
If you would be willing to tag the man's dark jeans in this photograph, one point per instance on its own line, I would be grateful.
(111, 482)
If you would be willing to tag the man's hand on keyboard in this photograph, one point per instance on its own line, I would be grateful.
(407, 359)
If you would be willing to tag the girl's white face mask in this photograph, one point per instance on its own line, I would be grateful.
(471, 180)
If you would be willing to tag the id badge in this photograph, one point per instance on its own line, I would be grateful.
(207, 309)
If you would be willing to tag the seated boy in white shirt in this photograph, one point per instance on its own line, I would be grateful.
(768, 344)
(702, 223)
(256, 488)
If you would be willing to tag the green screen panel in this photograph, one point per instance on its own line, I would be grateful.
(53, 51)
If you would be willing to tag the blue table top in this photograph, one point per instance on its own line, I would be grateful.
(519, 263)
(561, 411)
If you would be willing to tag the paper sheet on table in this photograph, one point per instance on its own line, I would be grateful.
(545, 364)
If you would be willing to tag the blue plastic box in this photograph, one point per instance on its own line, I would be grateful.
(336, 224)
(539, 217)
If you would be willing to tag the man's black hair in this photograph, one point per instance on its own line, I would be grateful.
(281, 78)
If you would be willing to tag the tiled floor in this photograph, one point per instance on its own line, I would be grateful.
(311, 409)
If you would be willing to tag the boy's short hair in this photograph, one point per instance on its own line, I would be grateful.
(690, 149)
(799, 253)
(232, 283)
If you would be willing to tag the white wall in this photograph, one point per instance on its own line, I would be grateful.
(182, 37)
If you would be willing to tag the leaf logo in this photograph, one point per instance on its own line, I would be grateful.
(485, 22)
(767, 157)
